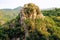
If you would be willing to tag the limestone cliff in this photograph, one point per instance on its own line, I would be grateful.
(29, 11)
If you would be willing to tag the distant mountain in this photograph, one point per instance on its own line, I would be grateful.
(8, 14)
(15, 9)
(18, 8)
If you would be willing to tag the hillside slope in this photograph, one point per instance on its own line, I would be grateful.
(30, 25)
(8, 14)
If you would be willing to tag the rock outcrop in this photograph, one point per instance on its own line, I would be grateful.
(29, 11)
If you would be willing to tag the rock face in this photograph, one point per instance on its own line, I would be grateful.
(29, 11)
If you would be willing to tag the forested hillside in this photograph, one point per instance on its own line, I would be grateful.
(54, 14)
(32, 24)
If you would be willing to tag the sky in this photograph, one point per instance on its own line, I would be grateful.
(43, 4)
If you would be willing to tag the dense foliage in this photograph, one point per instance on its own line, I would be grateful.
(47, 29)
(54, 14)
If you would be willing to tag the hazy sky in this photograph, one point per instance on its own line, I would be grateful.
(43, 4)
